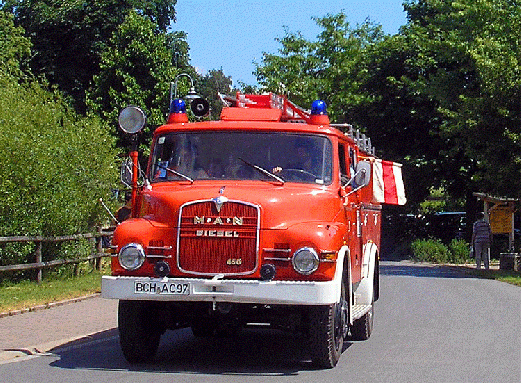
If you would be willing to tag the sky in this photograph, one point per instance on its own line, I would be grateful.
(233, 34)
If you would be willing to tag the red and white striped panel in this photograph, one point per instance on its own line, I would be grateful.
(388, 183)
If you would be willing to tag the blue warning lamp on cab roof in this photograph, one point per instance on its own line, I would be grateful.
(318, 114)
(177, 112)
(177, 106)
(318, 107)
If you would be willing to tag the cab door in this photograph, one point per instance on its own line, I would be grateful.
(352, 209)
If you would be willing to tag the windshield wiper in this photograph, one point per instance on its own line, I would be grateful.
(263, 171)
(174, 172)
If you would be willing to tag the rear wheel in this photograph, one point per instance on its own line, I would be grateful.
(139, 333)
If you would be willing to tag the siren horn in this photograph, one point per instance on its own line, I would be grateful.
(200, 107)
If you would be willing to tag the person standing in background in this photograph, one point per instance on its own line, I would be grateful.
(481, 240)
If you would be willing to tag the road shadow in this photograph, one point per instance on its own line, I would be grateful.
(410, 269)
(251, 352)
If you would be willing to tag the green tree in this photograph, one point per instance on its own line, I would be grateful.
(15, 48)
(180, 51)
(136, 69)
(55, 164)
(68, 35)
(209, 85)
(326, 68)
(293, 71)
(340, 50)
(403, 123)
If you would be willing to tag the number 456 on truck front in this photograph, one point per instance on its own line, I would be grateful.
(270, 215)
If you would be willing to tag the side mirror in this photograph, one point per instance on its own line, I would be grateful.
(362, 174)
(125, 172)
(344, 180)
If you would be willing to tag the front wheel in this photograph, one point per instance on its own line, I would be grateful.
(328, 326)
(139, 333)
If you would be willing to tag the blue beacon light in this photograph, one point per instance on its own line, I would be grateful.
(177, 106)
(318, 107)
(177, 112)
(318, 114)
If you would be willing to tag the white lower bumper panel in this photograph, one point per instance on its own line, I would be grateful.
(219, 290)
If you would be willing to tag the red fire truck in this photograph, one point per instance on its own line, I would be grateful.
(270, 216)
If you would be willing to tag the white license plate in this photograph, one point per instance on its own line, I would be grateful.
(161, 288)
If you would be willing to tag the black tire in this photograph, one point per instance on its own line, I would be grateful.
(363, 327)
(376, 290)
(328, 327)
(139, 333)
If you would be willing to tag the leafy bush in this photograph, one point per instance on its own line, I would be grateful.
(55, 165)
(433, 250)
(459, 250)
(430, 250)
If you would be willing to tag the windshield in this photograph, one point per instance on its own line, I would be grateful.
(277, 157)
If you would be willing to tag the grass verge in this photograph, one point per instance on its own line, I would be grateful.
(508, 276)
(54, 288)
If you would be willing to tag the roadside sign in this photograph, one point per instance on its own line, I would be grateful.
(501, 219)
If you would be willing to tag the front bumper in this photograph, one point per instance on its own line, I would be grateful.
(220, 290)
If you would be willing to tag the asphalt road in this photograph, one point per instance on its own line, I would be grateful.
(432, 324)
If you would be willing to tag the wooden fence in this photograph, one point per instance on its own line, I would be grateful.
(95, 238)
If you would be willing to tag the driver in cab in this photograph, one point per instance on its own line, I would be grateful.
(304, 159)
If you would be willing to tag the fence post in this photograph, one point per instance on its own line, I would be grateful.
(99, 248)
(92, 243)
(39, 260)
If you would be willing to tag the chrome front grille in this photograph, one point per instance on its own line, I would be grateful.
(217, 237)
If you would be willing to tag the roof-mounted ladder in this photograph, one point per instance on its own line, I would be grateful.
(363, 142)
(290, 111)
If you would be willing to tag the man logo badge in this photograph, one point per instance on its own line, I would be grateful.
(219, 201)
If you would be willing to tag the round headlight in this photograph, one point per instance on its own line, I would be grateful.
(305, 260)
(132, 256)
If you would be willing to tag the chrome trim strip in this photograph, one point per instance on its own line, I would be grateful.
(328, 252)
(158, 256)
(277, 250)
(277, 259)
(159, 247)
